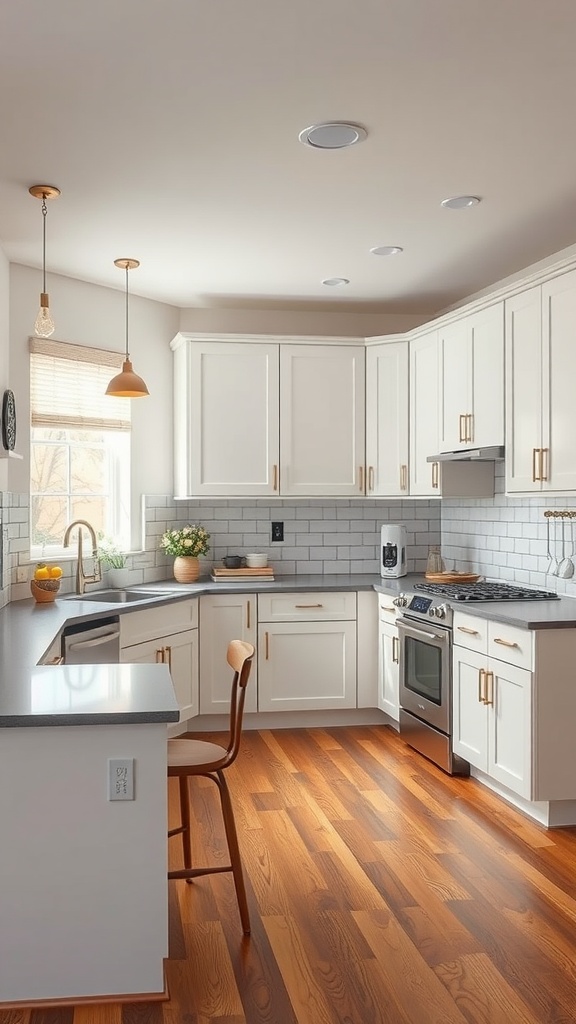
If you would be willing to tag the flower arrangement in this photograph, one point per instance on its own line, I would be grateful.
(110, 553)
(190, 540)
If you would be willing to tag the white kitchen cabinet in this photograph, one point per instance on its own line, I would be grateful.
(471, 365)
(307, 651)
(226, 408)
(540, 370)
(388, 658)
(437, 479)
(225, 617)
(322, 416)
(180, 652)
(166, 633)
(387, 368)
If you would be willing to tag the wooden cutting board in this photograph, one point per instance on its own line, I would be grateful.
(453, 577)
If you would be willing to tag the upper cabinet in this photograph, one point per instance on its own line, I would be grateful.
(322, 420)
(540, 374)
(254, 418)
(226, 407)
(471, 355)
(424, 415)
(387, 419)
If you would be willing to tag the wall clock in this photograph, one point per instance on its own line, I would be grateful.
(9, 420)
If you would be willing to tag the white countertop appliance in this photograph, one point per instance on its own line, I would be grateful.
(393, 550)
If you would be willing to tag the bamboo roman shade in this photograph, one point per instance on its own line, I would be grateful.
(68, 384)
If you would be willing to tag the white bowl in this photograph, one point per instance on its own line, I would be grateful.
(256, 561)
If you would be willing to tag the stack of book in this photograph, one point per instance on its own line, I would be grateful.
(245, 575)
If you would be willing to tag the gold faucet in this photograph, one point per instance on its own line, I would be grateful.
(81, 578)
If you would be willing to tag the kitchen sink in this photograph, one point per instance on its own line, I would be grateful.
(118, 596)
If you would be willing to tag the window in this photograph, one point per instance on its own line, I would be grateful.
(80, 445)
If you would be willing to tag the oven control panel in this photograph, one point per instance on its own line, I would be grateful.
(420, 604)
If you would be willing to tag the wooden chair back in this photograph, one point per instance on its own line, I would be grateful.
(239, 656)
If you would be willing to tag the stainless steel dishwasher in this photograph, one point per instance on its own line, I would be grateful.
(92, 643)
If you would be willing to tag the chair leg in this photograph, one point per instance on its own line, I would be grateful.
(235, 861)
(185, 819)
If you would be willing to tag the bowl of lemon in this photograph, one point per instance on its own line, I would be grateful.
(45, 583)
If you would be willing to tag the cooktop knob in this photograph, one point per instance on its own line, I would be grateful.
(401, 601)
(441, 611)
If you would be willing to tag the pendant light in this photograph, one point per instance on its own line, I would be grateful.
(44, 325)
(127, 384)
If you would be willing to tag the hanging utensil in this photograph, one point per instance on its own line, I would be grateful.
(552, 569)
(566, 567)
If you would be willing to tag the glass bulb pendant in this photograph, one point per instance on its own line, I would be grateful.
(44, 326)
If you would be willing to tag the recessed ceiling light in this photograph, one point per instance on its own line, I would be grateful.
(387, 250)
(333, 135)
(334, 282)
(460, 202)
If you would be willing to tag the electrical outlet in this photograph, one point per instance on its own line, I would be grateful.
(121, 778)
(22, 574)
(277, 531)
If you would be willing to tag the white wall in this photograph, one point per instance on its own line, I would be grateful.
(293, 322)
(91, 315)
(4, 348)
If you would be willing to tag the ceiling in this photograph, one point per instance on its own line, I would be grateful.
(171, 127)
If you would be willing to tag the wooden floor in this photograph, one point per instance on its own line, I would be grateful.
(381, 892)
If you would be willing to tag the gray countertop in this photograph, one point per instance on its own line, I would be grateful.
(27, 631)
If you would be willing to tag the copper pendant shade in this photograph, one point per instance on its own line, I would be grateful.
(127, 384)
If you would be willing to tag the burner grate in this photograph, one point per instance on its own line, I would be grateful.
(485, 592)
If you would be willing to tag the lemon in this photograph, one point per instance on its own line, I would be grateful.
(41, 572)
(55, 572)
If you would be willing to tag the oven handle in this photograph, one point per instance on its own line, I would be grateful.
(417, 634)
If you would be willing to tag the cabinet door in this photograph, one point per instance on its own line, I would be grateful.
(306, 666)
(388, 671)
(424, 476)
(180, 652)
(469, 715)
(454, 353)
(523, 390)
(387, 419)
(486, 423)
(510, 726)
(322, 420)
(558, 378)
(224, 617)
(227, 430)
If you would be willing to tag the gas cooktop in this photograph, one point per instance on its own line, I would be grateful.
(485, 592)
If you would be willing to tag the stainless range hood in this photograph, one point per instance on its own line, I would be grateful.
(491, 454)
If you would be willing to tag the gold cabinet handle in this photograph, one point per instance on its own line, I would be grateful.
(469, 427)
(168, 659)
(267, 645)
(435, 473)
(370, 478)
(159, 655)
(58, 660)
(274, 477)
(308, 605)
(462, 427)
(388, 608)
(535, 461)
(395, 649)
(489, 688)
(544, 453)
(248, 603)
(505, 643)
(482, 685)
(361, 479)
(403, 477)
(466, 629)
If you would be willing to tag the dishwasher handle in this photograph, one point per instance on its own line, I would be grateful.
(96, 642)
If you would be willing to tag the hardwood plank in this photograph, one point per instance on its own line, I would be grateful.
(141, 1013)
(299, 975)
(54, 1015)
(480, 993)
(176, 942)
(210, 991)
(15, 1017)
(110, 1013)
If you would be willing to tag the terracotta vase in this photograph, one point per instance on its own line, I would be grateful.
(186, 569)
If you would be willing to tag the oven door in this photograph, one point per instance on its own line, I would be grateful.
(425, 671)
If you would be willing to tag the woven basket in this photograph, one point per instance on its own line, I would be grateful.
(44, 591)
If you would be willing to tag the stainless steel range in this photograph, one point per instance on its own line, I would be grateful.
(425, 634)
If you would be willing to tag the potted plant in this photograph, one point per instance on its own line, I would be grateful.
(112, 556)
(186, 544)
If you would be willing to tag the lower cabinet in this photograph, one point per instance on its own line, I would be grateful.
(492, 718)
(307, 651)
(180, 652)
(389, 671)
(225, 617)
